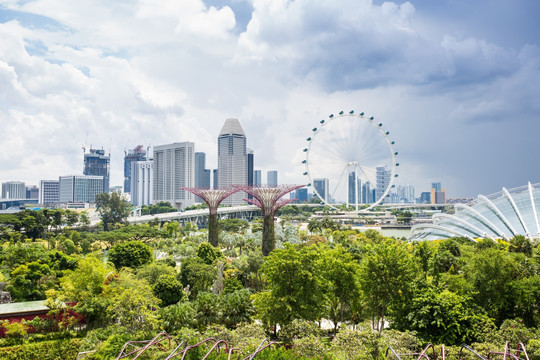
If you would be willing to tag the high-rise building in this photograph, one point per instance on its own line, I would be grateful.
(13, 190)
(232, 159)
(257, 178)
(250, 159)
(405, 194)
(383, 181)
(271, 178)
(215, 182)
(49, 192)
(301, 195)
(32, 192)
(438, 194)
(322, 188)
(96, 163)
(142, 184)
(136, 154)
(367, 193)
(354, 188)
(80, 188)
(174, 168)
(202, 175)
(425, 198)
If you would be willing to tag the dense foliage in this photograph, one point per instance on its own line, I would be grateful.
(370, 292)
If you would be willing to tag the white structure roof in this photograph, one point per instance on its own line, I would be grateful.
(232, 127)
(498, 216)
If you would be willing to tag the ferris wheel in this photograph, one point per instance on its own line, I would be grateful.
(350, 159)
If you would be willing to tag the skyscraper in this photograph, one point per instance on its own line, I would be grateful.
(438, 194)
(136, 154)
(355, 188)
(322, 188)
(257, 178)
(232, 159)
(383, 181)
(271, 178)
(49, 192)
(80, 188)
(13, 190)
(367, 193)
(202, 175)
(142, 182)
(96, 163)
(174, 167)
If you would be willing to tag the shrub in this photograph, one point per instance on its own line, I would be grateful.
(298, 329)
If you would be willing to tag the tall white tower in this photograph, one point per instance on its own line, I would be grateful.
(174, 167)
(232, 159)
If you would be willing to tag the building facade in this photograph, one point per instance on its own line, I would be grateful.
(202, 175)
(136, 154)
(174, 168)
(80, 188)
(96, 163)
(322, 188)
(383, 181)
(232, 159)
(13, 190)
(49, 192)
(142, 182)
(272, 178)
(257, 178)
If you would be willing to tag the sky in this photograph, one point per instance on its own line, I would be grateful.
(457, 82)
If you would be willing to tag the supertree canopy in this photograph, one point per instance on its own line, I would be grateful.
(269, 200)
(212, 198)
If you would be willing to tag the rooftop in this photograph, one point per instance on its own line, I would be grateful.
(232, 127)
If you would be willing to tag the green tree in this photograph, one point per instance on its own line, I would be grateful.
(386, 275)
(206, 309)
(235, 308)
(168, 289)
(208, 253)
(131, 254)
(198, 275)
(296, 286)
(443, 317)
(341, 270)
(30, 281)
(113, 209)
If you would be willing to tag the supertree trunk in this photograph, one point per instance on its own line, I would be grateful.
(268, 235)
(213, 229)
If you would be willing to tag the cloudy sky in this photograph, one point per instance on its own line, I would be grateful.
(456, 81)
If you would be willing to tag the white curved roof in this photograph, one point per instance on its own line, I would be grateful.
(232, 127)
(513, 211)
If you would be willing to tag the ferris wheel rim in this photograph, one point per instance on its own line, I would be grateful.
(393, 156)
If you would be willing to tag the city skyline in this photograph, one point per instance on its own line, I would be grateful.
(455, 82)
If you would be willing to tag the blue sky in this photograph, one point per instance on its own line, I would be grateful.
(456, 81)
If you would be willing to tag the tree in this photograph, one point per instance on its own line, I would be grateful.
(198, 275)
(235, 308)
(113, 209)
(233, 225)
(296, 287)
(30, 281)
(208, 253)
(168, 289)
(130, 254)
(340, 269)
(386, 274)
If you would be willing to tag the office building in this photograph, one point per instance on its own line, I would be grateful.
(202, 175)
(142, 184)
(49, 192)
(301, 195)
(232, 159)
(13, 190)
(405, 194)
(80, 188)
(96, 163)
(271, 178)
(383, 181)
(321, 186)
(136, 154)
(367, 193)
(32, 192)
(425, 198)
(257, 178)
(250, 159)
(438, 194)
(354, 189)
(174, 168)
(215, 182)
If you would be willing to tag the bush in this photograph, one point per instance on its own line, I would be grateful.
(298, 329)
(310, 346)
(356, 344)
(46, 350)
(131, 254)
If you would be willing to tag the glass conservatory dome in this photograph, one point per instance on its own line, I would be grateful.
(498, 216)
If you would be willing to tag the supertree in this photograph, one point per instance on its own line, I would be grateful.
(269, 200)
(212, 198)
